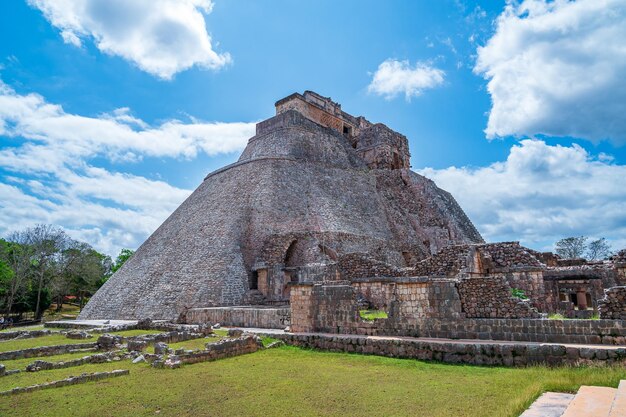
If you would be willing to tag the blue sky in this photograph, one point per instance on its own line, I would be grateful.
(112, 112)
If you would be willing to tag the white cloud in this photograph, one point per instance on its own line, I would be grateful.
(395, 77)
(48, 154)
(540, 194)
(557, 68)
(57, 136)
(162, 37)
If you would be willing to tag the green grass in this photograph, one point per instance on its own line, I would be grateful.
(22, 363)
(370, 315)
(289, 381)
(193, 344)
(559, 316)
(266, 340)
(59, 339)
(130, 333)
(51, 340)
(18, 328)
(221, 332)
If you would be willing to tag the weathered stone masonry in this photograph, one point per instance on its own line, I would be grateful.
(497, 354)
(338, 183)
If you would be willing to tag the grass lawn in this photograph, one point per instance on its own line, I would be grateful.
(292, 381)
(59, 339)
(192, 344)
(19, 328)
(22, 363)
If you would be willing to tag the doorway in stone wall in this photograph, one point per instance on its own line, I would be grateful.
(289, 269)
(254, 281)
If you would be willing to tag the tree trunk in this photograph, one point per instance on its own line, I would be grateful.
(37, 312)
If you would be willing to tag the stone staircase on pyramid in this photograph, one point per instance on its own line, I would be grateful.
(588, 402)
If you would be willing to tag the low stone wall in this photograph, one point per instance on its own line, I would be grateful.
(24, 334)
(498, 354)
(613, 305)
(263, 317)
(606, 332)
(78, 324)
(490, 297)
(69, 381)
(45, 351)
(169, 337)
(40, 365)
(219, 350)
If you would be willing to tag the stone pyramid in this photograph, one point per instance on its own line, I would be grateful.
(314, 184)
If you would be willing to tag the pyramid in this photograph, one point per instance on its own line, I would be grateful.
(313, 185)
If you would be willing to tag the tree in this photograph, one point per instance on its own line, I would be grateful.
(124, 255)
(571, 247)
(17, 257)
(88, 272)
(598, 250)
(6, 277)
(45, 242)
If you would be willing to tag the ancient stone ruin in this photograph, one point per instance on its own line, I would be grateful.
(321, 219)
(313, 186)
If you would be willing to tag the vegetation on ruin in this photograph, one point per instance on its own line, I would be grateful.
(292, 381)
(517, 293)
(370, 315)
(559, 316)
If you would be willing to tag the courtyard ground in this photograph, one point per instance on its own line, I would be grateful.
(292, 381)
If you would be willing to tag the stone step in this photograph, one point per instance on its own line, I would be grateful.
(549, 404)
(591, 401)
(618, 409)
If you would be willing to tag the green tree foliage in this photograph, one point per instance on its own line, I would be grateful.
(42, 263)
(124, 255)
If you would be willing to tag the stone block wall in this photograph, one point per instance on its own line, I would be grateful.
(490, 297)
(359, 265)
(45, 351)
(613, 305)
(263, 317)
(333, 307)
(495, 354)
(302, 311)
(594, 332)
(478, 258)
(531, 282)
(223, 349)
(73, 380)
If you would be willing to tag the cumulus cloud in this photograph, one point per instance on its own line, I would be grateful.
(540, 194)
(57, 136)
(161, 37)
(395, 77)
(557, 68)
(49, 176)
